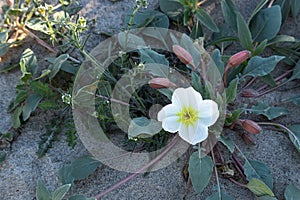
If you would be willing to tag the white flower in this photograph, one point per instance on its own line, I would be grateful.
(189, 114)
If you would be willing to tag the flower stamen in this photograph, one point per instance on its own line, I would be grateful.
(188, 116)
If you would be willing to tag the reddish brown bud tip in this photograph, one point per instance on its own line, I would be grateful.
(10, 3)
(249, 138)
(239, 58)
(158, 83)
(251, 126)
(249, 93)
(183, 55)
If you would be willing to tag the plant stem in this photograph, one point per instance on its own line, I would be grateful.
(216, 173)
(201, 3)
(276, 79)
(113, 100)
(142, 169)
(238, 165)
(237, 183)
(277, 125)
(249, 82)
(271, 3)
(38, 40)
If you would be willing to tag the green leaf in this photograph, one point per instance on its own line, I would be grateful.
(60, 192)
(149, 56)
(143, 127)
(227, 142)
(55, 67)
(41, 89)
(262, 108)
(69, 67)
(260, 48)
(65, 175)
(30, 105)
(21, 96)
(259, 66)
(269, 80)
(295, 7)
(206, 20)
(147, 18)
(296, 72)
(4, 47)
(291, 192)
(230, 11)
(84, 166)
(295, 135)
(42, 192)
(197, 31)
(266, 24)
(38, 25)
(217, 58)
(188, 44)
(258, 8)
(49, 105)
(222, 196)
(200, 170)
(28, 62)
(285, 6)
(2, 156)
(233, 117)
(266, 197)
(131, 42)
(16, 117)
(281, 38)
(259, 170)
(3, 38)
(80, 197)
(231, 90)
(259, 188)
(167, 92)
(224, 37)
(172, 8)
(244, 33)
(196, 82)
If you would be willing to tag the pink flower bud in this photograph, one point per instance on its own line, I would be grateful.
(183, 55)
(10, 3)
(249, 93)
(158, 83)
(251, 126)
(239, 58)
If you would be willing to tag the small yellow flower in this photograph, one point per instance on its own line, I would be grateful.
(189, 115)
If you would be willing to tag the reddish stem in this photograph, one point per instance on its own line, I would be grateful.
(276, 79)
(237, 183)
(160, 156)
(38, 40)
(238, 165)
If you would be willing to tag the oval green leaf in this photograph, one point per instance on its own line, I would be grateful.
(200, 170)
(84, 166)
(206, 20)
(291, 192)
(266, 24)
(259, 188)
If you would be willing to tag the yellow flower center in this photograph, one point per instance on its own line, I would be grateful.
(188, 116)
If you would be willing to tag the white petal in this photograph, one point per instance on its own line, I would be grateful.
(171, 124)
(186, 97)
(208, 112)
(167, 111)
(193, 134)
